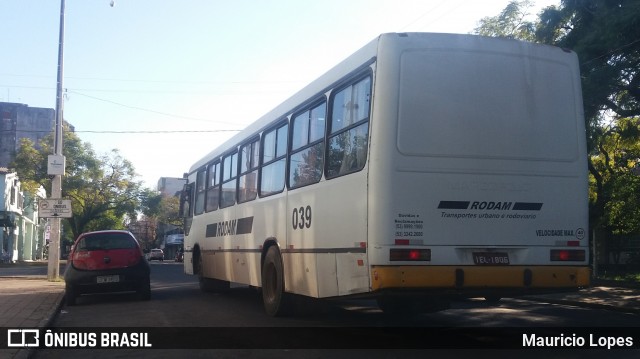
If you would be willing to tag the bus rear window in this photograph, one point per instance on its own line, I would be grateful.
(486, 105)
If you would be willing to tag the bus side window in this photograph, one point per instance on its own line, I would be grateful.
(349, 129)
(307, 146)
(213, 186)
(229, 176)
(248, 181)
(274, 151)
(201, 185)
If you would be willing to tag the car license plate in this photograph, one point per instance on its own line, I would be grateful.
(108, 279)
(491, 258)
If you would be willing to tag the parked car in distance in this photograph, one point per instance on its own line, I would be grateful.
(106, 261)
(156, 254)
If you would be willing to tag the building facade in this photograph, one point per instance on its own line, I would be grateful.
(170, 237)
(22, 231)
(170, 186)
(21, 121)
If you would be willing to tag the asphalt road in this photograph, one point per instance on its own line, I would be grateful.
(235, 322)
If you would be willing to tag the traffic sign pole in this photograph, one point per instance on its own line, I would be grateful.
(53, 270)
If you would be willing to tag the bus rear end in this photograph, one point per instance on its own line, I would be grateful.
(478, 187)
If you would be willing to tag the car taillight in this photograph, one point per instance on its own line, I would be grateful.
(567, 255)
(408, 254)
(79, 259)
(134, 257)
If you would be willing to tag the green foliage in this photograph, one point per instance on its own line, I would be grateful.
(164, 209)
(606, 36)
(513, 22)
(150, 203)
(616, 161)
(102, 196)
(30, 165)
(104, 190)
(627, 277)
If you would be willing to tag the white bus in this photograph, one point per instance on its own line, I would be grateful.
(422, 168)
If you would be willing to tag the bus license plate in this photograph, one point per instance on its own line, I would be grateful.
(108, 279)
(491, 258)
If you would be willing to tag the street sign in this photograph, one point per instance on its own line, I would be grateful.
(54, 208)
(56, 165)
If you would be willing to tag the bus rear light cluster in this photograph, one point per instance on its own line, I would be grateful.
(409, 254)
(409, 242)
(567, 255)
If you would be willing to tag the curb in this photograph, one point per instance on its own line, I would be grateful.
(577, 303)
(46, 322)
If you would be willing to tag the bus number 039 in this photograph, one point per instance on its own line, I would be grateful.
(301, 218)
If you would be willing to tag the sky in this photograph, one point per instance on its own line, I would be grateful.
(165, 82)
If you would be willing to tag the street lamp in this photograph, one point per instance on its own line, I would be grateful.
(53, 270)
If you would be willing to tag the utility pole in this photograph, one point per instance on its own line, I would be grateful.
(53, 272)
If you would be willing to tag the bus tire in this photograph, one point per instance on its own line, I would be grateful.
(273, 296)
(208, 285)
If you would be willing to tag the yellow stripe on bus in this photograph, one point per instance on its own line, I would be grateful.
(384, 277)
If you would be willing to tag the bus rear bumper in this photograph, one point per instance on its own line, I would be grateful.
(473, 278)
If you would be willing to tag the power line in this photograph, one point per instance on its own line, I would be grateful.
(122, 132)
(145, 109)
(612, 51)
(188, 82)
(151, 132)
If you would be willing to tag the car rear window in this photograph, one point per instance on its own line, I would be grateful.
(105, 241)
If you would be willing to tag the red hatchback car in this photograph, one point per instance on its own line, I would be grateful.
(106, 261)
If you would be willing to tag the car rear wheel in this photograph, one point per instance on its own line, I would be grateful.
(145, 291)
(70, 296)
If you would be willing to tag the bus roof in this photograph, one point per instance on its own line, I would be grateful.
(309, 92)
(362, 57)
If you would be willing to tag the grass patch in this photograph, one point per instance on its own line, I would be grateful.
(623, 277)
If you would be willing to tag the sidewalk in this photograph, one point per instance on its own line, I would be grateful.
(29, 300)
(600, 296)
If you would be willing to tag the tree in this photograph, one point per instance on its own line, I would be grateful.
(163, 211)
(513, 22)
(618, 185)
(606, 36)
(105, 196)
(103, 190)
(32, 165)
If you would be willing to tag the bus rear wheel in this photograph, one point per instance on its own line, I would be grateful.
(208, 285)
(273, 295)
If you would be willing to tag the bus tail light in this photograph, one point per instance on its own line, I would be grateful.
(409, 254)
(567, 255)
